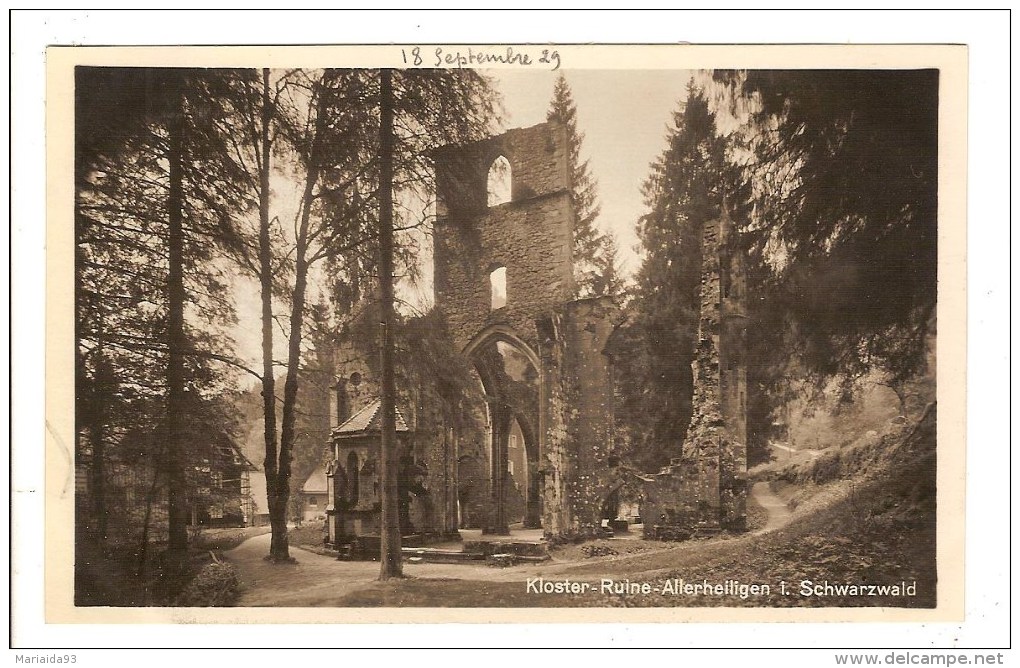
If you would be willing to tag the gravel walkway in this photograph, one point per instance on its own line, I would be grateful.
(322, 581)
(778, 512)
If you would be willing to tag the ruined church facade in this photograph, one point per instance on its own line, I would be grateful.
(541, 452)
(504, 281)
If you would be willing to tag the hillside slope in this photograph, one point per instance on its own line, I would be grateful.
(864, 518)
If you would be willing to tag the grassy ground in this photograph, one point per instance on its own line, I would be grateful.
(221, 540)
(844, 543)
(591, 549)
(451, 593)
(309, 534)
(114, 577)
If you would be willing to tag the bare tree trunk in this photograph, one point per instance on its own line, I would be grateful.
(176, 487)
(279, 549)
(143, 549)
(97, 438)
(390, 557)
(277, 515)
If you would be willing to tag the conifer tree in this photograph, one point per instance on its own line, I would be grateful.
(682, 192)
(589, 241)
(152, 198)
(608, 280)
(839, 210)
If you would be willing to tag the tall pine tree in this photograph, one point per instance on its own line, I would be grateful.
(590, 263)
(683, 191)
(152, 199)
(853, 275)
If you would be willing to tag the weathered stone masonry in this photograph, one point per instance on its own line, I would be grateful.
(425, 450)
(532, 237)
(706, 486)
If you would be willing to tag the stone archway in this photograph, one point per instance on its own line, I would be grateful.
(504, 274)
(511, 380)
(532, 479)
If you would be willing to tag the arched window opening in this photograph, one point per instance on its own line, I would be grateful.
(499, 182)
(497, 285)
(353, 475)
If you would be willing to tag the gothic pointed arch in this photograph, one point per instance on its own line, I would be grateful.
(499, 182)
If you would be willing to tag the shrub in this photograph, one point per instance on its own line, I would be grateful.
(598, 551)
(828, 467)
(215, 585)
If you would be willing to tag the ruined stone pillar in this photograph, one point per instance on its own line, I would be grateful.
(716, 439)
(501, 420)
(554, 458)
(533, 507)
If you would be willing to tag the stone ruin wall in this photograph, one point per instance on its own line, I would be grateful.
(706, 486)
(733, 389)
(432, 443)
(588, 389)
(532, 236)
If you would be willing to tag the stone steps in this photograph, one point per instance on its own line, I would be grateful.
(417, 555)
(493, 552)
(518, 548)
(507, 559)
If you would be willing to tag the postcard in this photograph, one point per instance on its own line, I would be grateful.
(513, 333)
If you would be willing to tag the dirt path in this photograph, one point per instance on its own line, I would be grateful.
(314, 580)
(794, 451)
(777, 510)
(317, 580)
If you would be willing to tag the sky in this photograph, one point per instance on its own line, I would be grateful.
(623, 115)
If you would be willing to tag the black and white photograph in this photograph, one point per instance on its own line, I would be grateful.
(336, 330)
(485, 330)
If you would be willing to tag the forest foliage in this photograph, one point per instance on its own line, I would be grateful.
(189, 181)
(831, 179)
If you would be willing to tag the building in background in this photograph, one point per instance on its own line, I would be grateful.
(313, 496)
